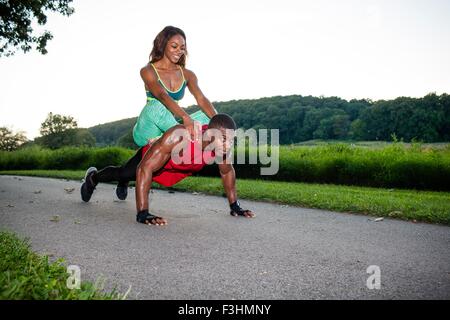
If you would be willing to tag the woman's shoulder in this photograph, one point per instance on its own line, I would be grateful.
(147, 72)
(146, 68)
(188, 74)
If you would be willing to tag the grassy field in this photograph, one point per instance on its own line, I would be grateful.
(425, 206)
(374, 144)
(25, 275)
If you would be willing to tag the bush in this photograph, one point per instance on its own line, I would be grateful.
(71, 158)
(395, 165)
(26, 275)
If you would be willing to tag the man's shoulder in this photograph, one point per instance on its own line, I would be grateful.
(175, 128)
(174, 135)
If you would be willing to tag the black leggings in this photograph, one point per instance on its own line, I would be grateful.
(122, 174)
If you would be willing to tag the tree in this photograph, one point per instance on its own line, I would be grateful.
(10, 141)
(340, 125)
(56, 123)
(109, 133)
(334, 127)
(357, 130)
(16, 18)
(59, 131)
(72, 137)
(127, 141)
(444, 128)
(325, 129)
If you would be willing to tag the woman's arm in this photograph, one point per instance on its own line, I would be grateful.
(202, 101)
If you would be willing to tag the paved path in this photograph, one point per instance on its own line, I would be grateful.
(204, 253)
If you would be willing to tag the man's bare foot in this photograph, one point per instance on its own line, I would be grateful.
(157, 221)
(243, 213)
(250, 214)
(150, 219)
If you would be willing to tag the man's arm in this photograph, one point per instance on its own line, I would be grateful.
(155, 158)
(229, 183)
(228, 180)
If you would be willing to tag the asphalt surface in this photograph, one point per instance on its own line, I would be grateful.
(204, 253)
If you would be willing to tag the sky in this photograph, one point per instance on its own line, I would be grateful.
(239, 49)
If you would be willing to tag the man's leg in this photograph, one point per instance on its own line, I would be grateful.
(122, 174)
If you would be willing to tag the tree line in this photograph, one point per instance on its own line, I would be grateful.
(299, 118)
(302, 118)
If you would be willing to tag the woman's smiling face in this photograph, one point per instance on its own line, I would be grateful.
(175, 48)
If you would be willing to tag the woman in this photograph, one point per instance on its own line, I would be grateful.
(165, 80)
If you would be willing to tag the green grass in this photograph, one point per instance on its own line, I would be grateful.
(60, 174)
(24, 275)
(425, 206)
(372, 144)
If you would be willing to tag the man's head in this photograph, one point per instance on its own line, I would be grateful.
(221, 133)
(222, 121)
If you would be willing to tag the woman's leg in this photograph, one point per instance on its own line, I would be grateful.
(152, 122)
(155, 119)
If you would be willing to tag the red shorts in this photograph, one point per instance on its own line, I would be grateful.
(172, 172)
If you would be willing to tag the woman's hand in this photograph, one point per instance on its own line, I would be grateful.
(193, 127)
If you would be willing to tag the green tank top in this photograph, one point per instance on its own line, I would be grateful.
(175, 95)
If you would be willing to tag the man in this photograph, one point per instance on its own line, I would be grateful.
(155, 163)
